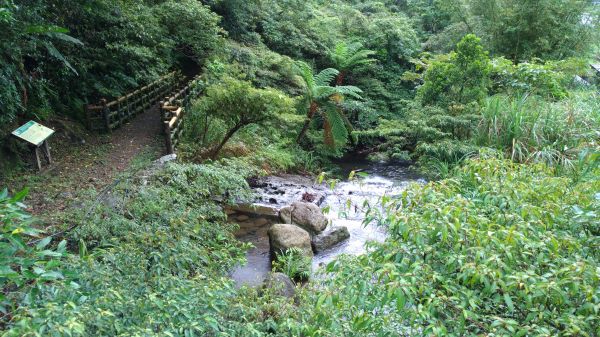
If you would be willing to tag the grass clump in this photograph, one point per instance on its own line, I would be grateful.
(530, 129)
(294, 264)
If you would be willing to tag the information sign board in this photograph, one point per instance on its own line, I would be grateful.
(33, 133)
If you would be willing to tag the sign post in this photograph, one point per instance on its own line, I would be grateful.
(36, 135)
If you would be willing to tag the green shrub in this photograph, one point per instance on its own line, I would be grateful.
(499, 249)
(461, 78)
(26, 260)
(153, 260)
(234, 104)
(549, 79)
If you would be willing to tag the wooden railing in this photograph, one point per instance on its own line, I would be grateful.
(173, 111)
(108, 116)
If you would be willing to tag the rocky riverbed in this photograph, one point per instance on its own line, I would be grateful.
(275, 193)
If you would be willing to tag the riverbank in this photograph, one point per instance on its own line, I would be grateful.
(345, 204)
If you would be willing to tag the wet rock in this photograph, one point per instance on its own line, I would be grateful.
(256, 183)
(309, 197)
(272, 201)
(242, 217)
(258, 210)
(280, 285)
(306, 215)
(283, 237)
(261, 222)
(330, 238)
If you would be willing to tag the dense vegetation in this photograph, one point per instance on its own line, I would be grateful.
(493, 99)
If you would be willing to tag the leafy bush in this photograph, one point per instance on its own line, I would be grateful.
(550, 79)
(152, 260)
(234, 104)
(26, 260)
(499, 249)
(463, 78)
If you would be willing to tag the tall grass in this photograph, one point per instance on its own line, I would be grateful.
(530, 129)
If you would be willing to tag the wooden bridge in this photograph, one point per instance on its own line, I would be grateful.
(173, 92)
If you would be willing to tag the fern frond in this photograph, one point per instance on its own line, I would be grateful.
(359, 58)
(326, 76)
(305, 71)
(322, 92)
(349, 90)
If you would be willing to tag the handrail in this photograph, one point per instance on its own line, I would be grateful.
(108, 116)
(173, 110)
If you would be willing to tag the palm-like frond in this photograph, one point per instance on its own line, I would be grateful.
(334, 127)
(349, 90)
(359, 58)
(346, 56)
(319, 95)
(326, 76)
(305, 71)
(324, 92)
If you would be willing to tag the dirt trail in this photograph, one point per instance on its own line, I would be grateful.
(92, 162)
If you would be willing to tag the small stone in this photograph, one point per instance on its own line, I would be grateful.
(167, 158)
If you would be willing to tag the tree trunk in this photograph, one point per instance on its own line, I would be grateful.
(311, 113)
(215, 151)
(340, 78)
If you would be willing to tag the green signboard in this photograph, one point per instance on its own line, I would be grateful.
(33, 133)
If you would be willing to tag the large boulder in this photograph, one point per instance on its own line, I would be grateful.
(283, 237)
(280, 285)
(329, 238)
(306, 215)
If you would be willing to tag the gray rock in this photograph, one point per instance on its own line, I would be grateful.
(329, 238)
(280, 284)
(258, 210)
(165, 159)
(306, 215)
(283, 237)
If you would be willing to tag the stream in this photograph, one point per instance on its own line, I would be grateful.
(274, 192)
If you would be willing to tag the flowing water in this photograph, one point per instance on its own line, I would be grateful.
(279, 191)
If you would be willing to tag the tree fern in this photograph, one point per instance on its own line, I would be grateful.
(321, 96)
(346, 56)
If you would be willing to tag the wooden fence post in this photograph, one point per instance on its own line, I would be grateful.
(168, 142)
(106, 114)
